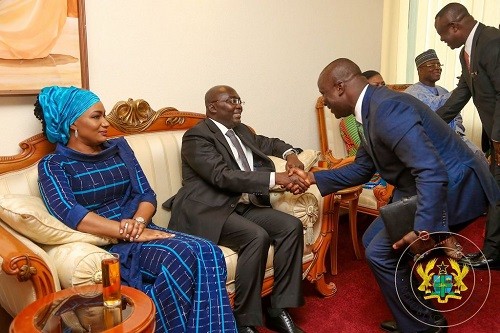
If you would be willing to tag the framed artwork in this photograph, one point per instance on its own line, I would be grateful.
(42, 43)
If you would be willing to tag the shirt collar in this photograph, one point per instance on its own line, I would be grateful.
(468, 42)
(359, 105)
(222, 128)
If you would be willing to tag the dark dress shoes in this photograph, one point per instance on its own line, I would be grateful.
(481, 262)
(391, 326)
(247, 329)
(472, 255)
(282, 323)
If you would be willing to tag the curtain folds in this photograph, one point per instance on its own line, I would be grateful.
(408, 30)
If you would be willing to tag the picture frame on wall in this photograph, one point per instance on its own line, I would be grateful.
(42, 43)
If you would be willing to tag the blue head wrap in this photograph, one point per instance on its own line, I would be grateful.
(61, 107)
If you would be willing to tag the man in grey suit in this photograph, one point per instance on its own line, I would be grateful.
(418, 153)
(480, 79)
(225, 197)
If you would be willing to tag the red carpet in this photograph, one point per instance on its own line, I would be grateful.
(358, 305)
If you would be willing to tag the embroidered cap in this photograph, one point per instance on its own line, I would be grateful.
(428, 55)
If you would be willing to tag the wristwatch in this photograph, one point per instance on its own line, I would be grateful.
(140, 219)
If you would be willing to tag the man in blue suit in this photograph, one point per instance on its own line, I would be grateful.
(418, 153)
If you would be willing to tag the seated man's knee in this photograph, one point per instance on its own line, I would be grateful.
(262, 238)
(292, 227)
(297, 225)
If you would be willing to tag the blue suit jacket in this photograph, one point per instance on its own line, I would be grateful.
(417, 152)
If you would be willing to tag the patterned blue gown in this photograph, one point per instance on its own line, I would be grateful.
(184, 276)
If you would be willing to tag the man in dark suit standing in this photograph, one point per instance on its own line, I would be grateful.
(418, 153)
(480, 59)
(225, 197)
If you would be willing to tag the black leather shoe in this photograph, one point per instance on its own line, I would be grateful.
(472, 255)
(247, 329)
(391, 326)
(283, 323)
(481, 262)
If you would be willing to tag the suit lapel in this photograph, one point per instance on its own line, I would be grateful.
(366, 116)
(247, 141)
(260, 160)
(365, 112)
(220, 137)
(474, 63)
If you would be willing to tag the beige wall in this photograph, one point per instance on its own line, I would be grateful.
(170, 52)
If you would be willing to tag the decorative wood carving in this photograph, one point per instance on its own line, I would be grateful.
(135, 115)
(33, 149)
(20, 261)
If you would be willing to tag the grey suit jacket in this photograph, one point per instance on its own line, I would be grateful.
(212, 180)
(482, 82)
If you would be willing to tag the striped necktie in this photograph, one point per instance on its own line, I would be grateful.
(467, 60)
(241, 154)
(361, 132)
(246, 166)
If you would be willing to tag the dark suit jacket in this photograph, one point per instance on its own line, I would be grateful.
(212, 180)
(414, 150)
(482, 82)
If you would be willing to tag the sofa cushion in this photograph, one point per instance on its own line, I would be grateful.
(309, 157)
(77, 263)
(305, 207)
(28, 216)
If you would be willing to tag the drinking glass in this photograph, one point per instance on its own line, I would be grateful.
(111, 292)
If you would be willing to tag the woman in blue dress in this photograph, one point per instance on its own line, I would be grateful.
(96, 185)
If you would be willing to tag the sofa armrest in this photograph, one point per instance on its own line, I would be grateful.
(383, 194)
(22, 262)
(303, 206)
(31, 271)
(331, 162)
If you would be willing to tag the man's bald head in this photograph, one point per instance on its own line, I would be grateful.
(453, 24)
(453, 11)
(214, 93)
(341, 69)
(341, 83)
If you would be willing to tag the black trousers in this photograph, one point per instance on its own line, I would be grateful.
(491, 247)
(250, 231)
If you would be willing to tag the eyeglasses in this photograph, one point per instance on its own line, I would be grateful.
(232, 101)
(435, 66)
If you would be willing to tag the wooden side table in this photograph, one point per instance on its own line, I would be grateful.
(82, 306)
(351, 196)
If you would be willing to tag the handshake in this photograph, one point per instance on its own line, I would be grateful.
(295, 179)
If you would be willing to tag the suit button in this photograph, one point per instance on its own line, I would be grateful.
(233, 205)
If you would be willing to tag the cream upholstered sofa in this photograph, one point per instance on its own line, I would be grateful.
(39, 255)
